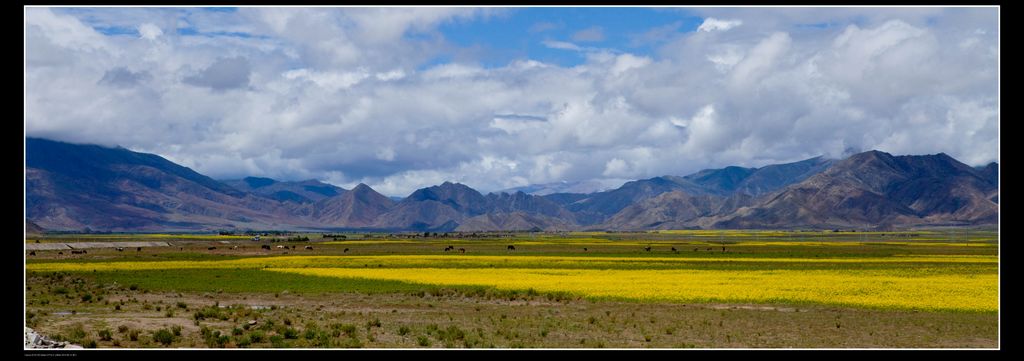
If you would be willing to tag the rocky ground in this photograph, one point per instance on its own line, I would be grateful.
(35, 340)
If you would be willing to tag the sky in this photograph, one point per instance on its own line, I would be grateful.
(401, 98)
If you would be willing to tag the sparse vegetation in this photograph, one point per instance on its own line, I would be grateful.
(413, 295)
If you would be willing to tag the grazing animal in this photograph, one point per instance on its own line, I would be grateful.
(78, 252)
(280, 247)
(210, 248)
(695, 249)
(723, 249)
(511, 248)
(709, 248)
(584, 249)
(446, 249)
(309, 247)
(138, 249)
(648, 248)
(234, 247)
(346, 250)
(266, 247)
(60, 253)
(674, 249)
(462, 250)
(120, 249)
(32, 253)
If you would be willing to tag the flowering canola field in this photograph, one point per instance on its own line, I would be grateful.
(922, 282)
(868, 288)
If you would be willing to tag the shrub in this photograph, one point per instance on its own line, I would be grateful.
(423, 341)
(122, 329)
(75, 334)
(90, 344)
(277, 341)
(236, 331)
(256, 336)
(163, 336)
(182, 305)
(176, 330)
(290, 333)
(402, 331)
(133, 335)
(104, 334)
(374, 323)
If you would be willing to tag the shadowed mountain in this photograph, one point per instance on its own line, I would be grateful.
(359, 207)
(431, 207)
(723, 182)
(70, 187)
(32, 228)
(670, 210)
(307, 191)
(564, 199)
(720, 181)
(517, 221)
(771, 178)
(73, 187)
(876, 189)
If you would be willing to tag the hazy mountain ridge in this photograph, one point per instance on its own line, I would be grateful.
(71, 187)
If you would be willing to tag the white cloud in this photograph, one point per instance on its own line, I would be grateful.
(149, 31)
(307, 95)
(553, 44)
(712, 24)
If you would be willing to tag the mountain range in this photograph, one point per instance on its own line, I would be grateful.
(71, 187)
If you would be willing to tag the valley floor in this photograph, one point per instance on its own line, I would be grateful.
(189, 296)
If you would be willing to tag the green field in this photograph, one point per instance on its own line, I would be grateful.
(935, 288)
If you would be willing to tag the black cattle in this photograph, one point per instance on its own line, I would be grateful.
(138, 249)
(32, 253)
(648, 248)
(309, 247)
(60, 253)
(120, 249)
(584, 249)
(266, 247)
(709, 248)
(210, 248)
(723, 249)
(674, 249)
(695, 249)
(346, 250)
(511, 247)
(78, 252)
(462, 250)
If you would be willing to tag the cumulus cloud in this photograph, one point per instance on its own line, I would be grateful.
(225, 73)
(121, 76)
(332, 95)
(712, 24)
(149, 31)
(554, 44)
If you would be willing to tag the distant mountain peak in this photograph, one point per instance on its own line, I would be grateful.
(258, 182)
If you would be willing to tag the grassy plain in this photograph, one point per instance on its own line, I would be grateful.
(717, 289)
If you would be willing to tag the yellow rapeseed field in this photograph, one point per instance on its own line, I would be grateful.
(876, 289)
(925, 282)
